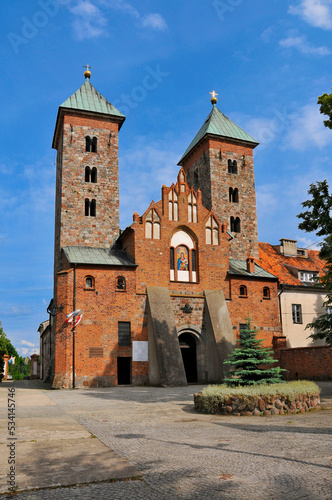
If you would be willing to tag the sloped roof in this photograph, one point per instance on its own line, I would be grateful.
(281, 265)
(97, 256)
(218, 124)
(239, 267)
(87, 98)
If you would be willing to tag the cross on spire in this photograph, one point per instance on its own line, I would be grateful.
(87, 73)
(214, 99)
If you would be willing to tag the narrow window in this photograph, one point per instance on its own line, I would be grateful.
(266, 292)
(212, 231)
(297, 313)
(94, 175)
(87, 174)
(94, 145)
(232, 166)
(88, 144)
(93, 208)
(171, 258)
(152, 225)
(87, 207)
(230, 195)
(173, 209)
(243, 291)
(120, 283)
(192, 208)
(89, 282)
(237, 228)
(193, 261)
(124, 334)
(236, 195)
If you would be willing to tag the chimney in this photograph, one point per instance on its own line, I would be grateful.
(250, 265)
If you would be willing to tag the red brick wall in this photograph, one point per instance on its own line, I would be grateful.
(313, 363)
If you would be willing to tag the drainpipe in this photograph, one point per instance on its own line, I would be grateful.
(280, 314)
(73, 330)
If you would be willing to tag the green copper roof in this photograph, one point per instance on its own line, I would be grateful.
(97, 256)
(239, 267)
(218, 124)
(87, 98)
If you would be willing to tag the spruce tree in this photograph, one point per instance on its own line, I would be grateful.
(251, 362)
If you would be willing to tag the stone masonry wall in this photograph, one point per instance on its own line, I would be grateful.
(207, 168)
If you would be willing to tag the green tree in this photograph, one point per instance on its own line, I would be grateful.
(251, 362)
(325, 102)
(317, 218)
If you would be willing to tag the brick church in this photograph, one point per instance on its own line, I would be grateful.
(165, 298)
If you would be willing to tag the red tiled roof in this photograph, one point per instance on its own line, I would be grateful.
(274, 263)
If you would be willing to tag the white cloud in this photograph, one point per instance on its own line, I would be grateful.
(89, 21)
(317, 13)
(307, 129)
(302, 44)
(29, 344)
(90, 17)
(155, 21)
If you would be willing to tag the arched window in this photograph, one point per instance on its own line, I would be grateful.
(93, 208)
(192, 208)
(152, 225)
(89, 282)
(232, 167)
(243, 291)
(235, 224)
(87, 174)
(233, 195)
(88, 144)
(94, 175)
(120, 283)
(183, 258)
(90, 208)
(266, 292)
(212, 231)
(173, 208)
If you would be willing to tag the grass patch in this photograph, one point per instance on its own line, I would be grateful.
(288, 390)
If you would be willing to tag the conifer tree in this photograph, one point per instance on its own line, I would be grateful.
(251, 362)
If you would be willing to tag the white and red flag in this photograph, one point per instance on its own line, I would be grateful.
(74, 316)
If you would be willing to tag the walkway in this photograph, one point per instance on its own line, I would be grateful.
(172, 452)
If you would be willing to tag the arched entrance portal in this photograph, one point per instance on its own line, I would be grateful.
(188, 350)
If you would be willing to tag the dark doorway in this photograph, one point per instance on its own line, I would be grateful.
(124, 371)
(188, 351)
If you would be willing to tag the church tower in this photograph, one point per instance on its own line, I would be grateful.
(219, 161)
(87, 183)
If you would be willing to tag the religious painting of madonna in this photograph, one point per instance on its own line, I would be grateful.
(182, 258)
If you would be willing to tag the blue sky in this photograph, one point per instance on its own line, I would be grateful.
(268, 61)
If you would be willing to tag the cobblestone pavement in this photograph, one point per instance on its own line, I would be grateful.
(185, 455)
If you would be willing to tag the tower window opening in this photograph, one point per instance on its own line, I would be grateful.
(90, 144)
(90, 208)
(94, 175)
(233, 195)
(232, 166)
(235, 224)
